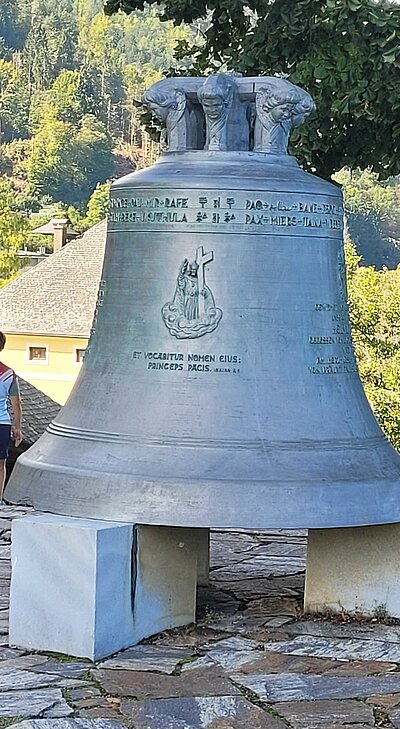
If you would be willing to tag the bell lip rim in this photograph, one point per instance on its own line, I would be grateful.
(217, 504)
(196, 522)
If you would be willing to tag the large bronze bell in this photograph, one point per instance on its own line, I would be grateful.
(220, 386)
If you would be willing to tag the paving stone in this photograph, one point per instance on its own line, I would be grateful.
(283, 549)
(203, 662)
(223, 545)
(267, 606)
(5, 569)
(6, 653)
(70, 669)
(54, 712)
(224, 712)
(394, 717)
(309, 645)
(232, 660)
(266, 636)
(315, 714)
(261, 566)
(270, 662)
(83, 693)
(252, 589)
(194, 636)
(388, 702)
(206, 681)
(234, 644)
(300, 687)
(102, 712)
(277, 622)
(148, 658)
(12, 679)
(212, 600)
(360, 668)
(232, 652)
(88, 703)
(67, 724)
(32, 704)
(331, 725)
(23, 661)
(237, 624)
(229, 551)
(355, 630)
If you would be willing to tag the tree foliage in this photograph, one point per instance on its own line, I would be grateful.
(14, 101)
(13, 230)
(96, 209)
(374, 300)
(372, 211)
(344, 52)
(50, 42)
(70, 81)
(67, 161)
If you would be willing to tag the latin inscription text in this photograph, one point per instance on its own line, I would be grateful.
(240, 211)
(191, 362)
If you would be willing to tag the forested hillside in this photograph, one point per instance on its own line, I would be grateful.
(69, 79)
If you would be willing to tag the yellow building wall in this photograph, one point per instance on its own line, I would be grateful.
(55, 376)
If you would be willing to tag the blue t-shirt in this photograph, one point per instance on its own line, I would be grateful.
(8, 387)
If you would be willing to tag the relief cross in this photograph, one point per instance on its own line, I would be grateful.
(202, 259)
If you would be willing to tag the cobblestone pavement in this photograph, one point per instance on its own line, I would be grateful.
(252, 662)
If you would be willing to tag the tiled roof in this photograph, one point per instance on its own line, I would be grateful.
(38, 410)
(58, 295)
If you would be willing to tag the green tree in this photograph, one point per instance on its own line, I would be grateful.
(14, 101)
(68, 99)
(109, 47)
(68, 161)
(13, 231)
(374, 301)
(344, 52)
(92, 155)
(372, 212)
(97, 207)
(50, 43)
(11, 27)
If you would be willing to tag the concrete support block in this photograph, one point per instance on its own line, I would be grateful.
(203, 557)
(166, 579)
(71, 585)
(90, 588)
(354, 570)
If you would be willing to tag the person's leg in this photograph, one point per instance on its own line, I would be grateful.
(5, 434)
(2, 479)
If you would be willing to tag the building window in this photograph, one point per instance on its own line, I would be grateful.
(37, 354)
(79, 355)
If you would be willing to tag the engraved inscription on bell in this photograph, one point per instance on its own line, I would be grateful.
(192, 312)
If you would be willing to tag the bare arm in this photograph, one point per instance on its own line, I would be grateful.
(17, 418)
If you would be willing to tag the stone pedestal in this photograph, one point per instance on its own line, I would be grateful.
(354, 570)
(90, 588)
(203, 557)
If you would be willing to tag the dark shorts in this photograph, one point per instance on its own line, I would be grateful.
(5, 436)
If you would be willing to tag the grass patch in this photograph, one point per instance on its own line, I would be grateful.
(6, 721)
(178, 668)
(381, 716)
(254, 699)
(64, 658)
